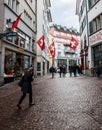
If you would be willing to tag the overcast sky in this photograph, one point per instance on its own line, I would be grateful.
(63, 13)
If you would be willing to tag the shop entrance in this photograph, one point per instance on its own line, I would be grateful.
(15, 63)
(18, 67)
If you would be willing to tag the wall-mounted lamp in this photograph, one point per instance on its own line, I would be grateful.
(9, 24)
(8, 32)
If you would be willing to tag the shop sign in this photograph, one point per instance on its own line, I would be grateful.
(95, 38)
(21, 49)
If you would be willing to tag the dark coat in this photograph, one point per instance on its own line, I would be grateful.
(27, 79)
(52, 69)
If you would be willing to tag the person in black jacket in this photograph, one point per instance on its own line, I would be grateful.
(52, 70)
(26, 87)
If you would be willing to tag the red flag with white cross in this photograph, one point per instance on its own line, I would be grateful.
(41, 42)
(73, 43)
(52, 49)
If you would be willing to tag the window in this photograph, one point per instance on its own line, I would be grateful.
(27, 43)
(59, 54)
(92, 3)
(26, 63)
(10, 3)
(95, 24)
(33, 47)
(98, 22)
(101, 20)
(28, 18)
(34, 26)
(82, 7)
(17, 6)
(13, 4)
(85, 41)
(81, 44)
(83, 25)
(16, 40)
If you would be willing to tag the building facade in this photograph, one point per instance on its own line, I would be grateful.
(43, 20)
(64, 54)
(90, 19)
(95, 32)
(81, 10)
(17, 48)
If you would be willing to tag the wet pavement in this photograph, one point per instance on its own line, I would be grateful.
(67, 103)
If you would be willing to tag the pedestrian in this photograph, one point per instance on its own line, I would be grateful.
(64, 70)
(61, 70)
(26, 87)
(79, 69)
(75, 70)
(52, 70)
(70, 70)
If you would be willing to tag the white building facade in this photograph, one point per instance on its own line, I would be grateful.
(81, 10)
(95, 32)
(90, 19)
(17, 48)
(43, 20)
(64, 55)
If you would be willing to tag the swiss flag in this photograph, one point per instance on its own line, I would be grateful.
(15, 23)
(41, 42)
(73, 43)
(52, 49)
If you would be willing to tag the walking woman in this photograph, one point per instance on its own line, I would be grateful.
(26, 87)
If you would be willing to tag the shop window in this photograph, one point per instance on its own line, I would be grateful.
(22, 42)
(16, 40)
(9, 62)
(9, 39)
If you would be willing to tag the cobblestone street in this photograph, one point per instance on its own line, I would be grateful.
(67, 103)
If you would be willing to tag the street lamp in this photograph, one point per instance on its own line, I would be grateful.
(8, 32)
(9, 24)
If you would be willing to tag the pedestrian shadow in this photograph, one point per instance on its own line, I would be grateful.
(19, 114)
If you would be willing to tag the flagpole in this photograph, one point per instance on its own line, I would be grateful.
(53, 61)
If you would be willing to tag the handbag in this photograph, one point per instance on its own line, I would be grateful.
(20, 83)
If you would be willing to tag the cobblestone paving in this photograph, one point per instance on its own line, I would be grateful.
(70, 103)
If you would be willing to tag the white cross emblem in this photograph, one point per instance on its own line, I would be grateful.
(73, 44)
(41, 42)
